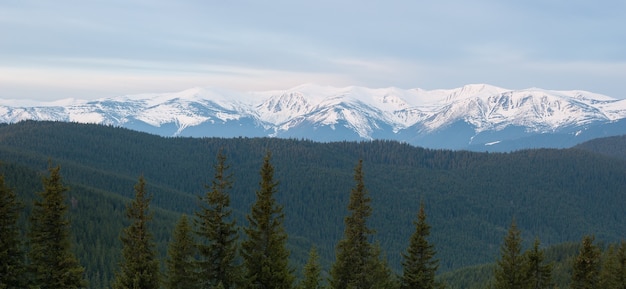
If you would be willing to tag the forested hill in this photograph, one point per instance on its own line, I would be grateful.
(470, 198)
(614, 146)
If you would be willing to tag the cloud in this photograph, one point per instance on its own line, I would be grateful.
(80, 83)
(103, 48)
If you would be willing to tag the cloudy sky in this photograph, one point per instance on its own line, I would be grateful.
(101, 48)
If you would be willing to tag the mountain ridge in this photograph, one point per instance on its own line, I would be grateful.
(488, 116)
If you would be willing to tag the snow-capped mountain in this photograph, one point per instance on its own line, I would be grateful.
(477, 117)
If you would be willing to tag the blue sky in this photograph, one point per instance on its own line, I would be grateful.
(102, 48)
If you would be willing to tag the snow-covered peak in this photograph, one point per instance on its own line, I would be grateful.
(441, 96)
(362, 110)
(196, 94)
(475, 90)
(283, 107)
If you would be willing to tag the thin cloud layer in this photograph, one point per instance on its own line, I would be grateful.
(89, 49)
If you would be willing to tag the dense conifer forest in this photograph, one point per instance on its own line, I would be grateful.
(568, 199)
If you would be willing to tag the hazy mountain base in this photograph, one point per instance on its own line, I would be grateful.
(456, 136)
(556, 195)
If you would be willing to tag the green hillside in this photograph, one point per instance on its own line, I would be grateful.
(555, 195)
(614, 146)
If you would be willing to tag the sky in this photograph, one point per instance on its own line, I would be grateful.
(87, 49)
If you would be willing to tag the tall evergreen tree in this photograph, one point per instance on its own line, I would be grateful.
(620, 268)
(217, 232)
(538, 274)
(264, 251)
(509, 272)
(312, 271)
(139, 268)
(586, 270)
(381, 275)
(52, 262)
(613, 271)
(356, 256)
(180, 264)
(607, 269)
(419, 263)
(12, 267)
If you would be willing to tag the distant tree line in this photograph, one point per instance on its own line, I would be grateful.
(210, 252)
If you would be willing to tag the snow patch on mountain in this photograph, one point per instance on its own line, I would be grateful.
(365, 111)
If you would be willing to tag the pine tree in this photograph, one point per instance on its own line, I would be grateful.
(218, 233)
(538, 274)
(620, 269)
(181, 253)
(12, 267)
(509, 273)
(312, 271)
(419, 263)
(586, 270)
(381, 275)
(52, 262)
(264, 251)
(139, 268)
(613, 271)
(607, 269)
(355, 253)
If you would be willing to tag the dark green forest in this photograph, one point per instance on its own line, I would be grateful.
(557, 196)
(610, 146)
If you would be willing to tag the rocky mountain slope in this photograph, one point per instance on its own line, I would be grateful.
(476, 117)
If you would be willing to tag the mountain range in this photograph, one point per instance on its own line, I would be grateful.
(477, 117)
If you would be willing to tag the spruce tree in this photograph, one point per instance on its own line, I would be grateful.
(419, 262)
(217, 233)
(607, 271)
(586, 269)
(381, 275)
(180, 264)
(264, 251)
(620, 268)
(12, 267)
(139, 268)
(354, 253)
(52, 262)
(613, 271)
(312, 271)
(538, 274)
(509, 272)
